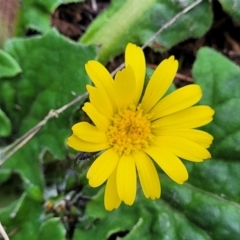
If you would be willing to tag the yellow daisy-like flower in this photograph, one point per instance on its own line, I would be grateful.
(135, 128)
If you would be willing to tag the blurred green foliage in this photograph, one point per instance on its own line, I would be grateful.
(44, 195)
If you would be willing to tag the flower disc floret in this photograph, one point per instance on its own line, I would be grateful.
(130, 130)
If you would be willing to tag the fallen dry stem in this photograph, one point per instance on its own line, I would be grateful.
(3, 233)
(28, 135)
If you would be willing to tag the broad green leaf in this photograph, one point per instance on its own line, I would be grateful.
(137, 20)
(232, 8)
(183, 212)
(220, 83)
(8, 66)
(53, 75)
(52, 229)
(146, 219)
(36, 14)
(5, 125)
(217, 216)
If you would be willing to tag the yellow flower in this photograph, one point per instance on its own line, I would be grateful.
(135, 128)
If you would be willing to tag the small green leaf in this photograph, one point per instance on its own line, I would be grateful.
(5, 125)
(52, 229)
(136, 21)
(232, 8)
(8, 66)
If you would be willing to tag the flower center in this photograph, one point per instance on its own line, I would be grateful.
(130, 130)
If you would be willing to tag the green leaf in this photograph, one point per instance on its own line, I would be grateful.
(8, 66)
(5, 125)
(232, 8)
(52, 229)
(136, 21)
(217, 216)
(53, 75)
(146, 219)
(185, 211)
(219, 79)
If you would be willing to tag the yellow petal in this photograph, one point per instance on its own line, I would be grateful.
(148, 175)
(183, 148)
(124, 87)
(126, 179)
(135, 58)
(202, 138)
(89, 133)
(159, 82)
(178, 100)
(169, 163)
(102, 168)
(192, 117)
(100, 101)
(111, 198)
(101, 78)
(83, 146)
(101, 122)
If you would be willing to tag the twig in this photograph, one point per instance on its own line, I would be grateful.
(54, 113)
(3, 233)
(169, 23)
(166, 25)
(178, 75)
(28, 135)
(184, 77)
(94, 5)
